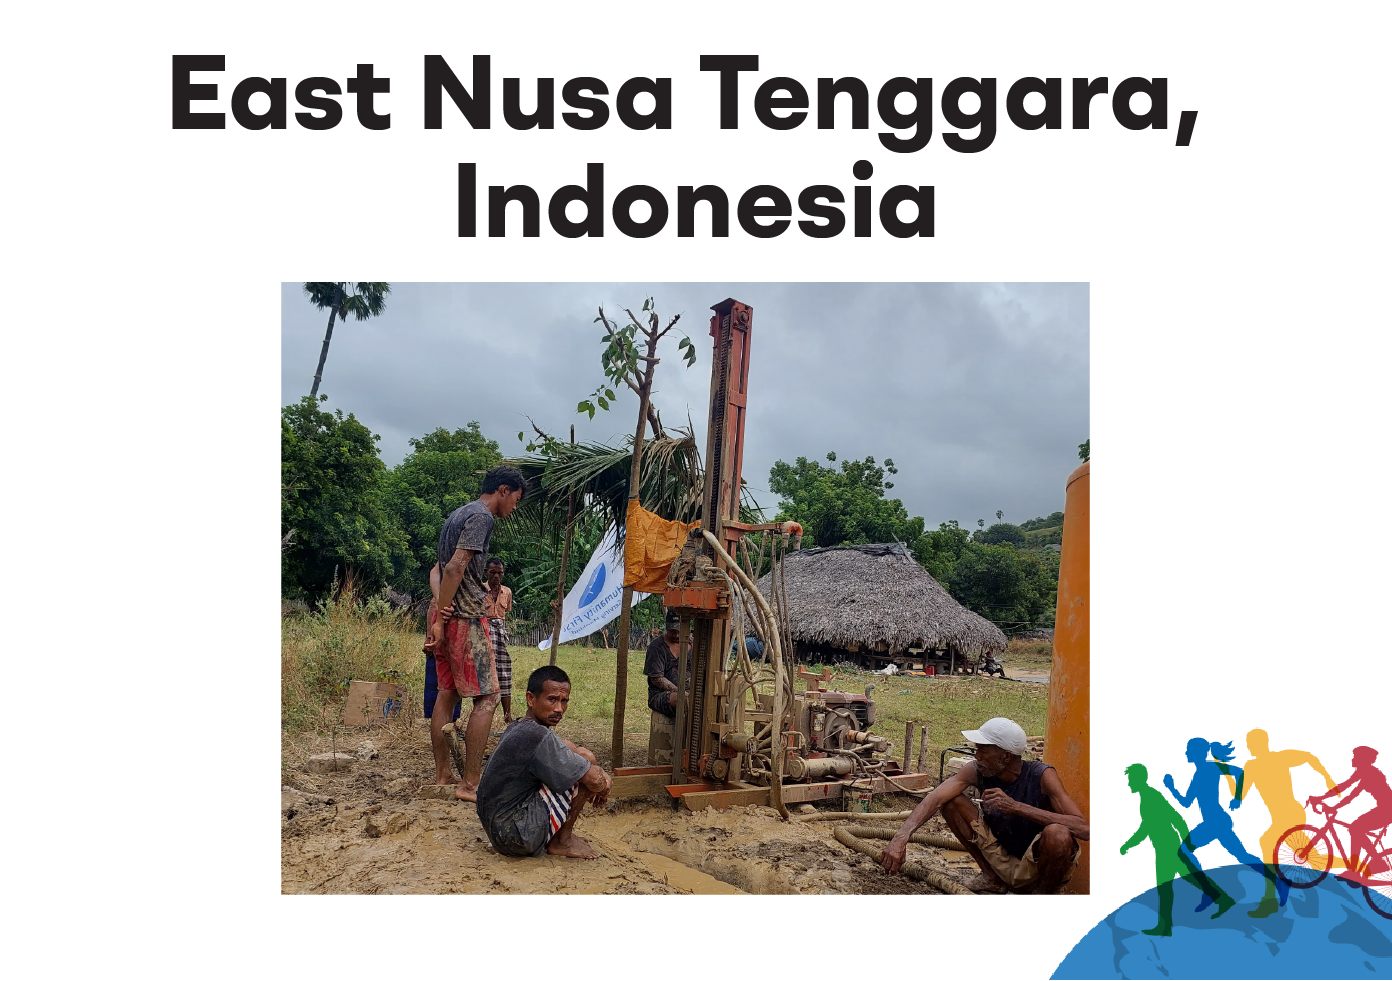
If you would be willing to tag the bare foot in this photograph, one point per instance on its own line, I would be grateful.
(462, 792)
(572, 847)
(445, 781)
(983, 883)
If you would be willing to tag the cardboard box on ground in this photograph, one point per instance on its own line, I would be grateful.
(371, 703)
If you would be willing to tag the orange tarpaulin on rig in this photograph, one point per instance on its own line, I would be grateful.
(651, 545)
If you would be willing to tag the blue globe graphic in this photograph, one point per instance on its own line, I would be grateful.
(1326, 931)
(593, 587)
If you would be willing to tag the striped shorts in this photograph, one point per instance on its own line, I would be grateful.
(502, 660)
(557, 807)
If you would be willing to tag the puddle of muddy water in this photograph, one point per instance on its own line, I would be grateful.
(680, 876)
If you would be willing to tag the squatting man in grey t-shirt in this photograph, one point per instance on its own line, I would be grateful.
(536, 783)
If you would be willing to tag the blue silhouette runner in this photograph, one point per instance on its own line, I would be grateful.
(1217, 824)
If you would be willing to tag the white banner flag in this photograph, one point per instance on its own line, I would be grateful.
(598, 593)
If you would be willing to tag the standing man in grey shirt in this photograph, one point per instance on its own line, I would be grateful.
(459, 634)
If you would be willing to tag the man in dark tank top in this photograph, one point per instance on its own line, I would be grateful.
(1025, 835)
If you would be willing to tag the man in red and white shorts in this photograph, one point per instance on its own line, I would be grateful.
(459, 633)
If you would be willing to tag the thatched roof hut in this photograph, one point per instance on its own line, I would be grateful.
(877, 598)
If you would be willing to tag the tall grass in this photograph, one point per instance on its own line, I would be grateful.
(1034, 651)
(345, 640)
(947, 706)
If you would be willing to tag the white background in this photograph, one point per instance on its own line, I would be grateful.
(1239, 319)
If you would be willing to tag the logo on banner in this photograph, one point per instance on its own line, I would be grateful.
(593, 587)
(596, 598)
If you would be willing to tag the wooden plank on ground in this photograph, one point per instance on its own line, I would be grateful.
(721, 799)
(640, 784)
(801, 793)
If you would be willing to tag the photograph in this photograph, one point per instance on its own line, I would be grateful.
(685, 588)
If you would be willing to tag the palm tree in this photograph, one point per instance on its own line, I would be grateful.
(597, 477)
(363, 300)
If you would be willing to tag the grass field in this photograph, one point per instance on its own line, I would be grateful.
(322, 651)
(1031, 653)
(946, 705)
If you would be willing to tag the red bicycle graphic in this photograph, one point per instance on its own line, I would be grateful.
(1305, 853)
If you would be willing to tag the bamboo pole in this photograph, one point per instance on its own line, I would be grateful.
(560, 579)
(616, 744)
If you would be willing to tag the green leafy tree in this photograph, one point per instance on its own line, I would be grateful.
(1085, 450)
(334, 525)
(938, 551)
(1015, 589)
(1054, 520)
(1002, 532)
(443, 471)
(362, 300)
(841, 506)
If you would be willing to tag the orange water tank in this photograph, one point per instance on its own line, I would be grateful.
(1066, 736)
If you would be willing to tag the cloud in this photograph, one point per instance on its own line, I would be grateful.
(979, 392)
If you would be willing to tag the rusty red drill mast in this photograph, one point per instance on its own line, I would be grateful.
(742, 734)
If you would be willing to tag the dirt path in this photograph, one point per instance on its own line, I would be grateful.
(366, 831)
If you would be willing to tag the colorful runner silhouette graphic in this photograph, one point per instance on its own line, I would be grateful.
(1162, 824)
(1270, 774)
(1366, 777)
(1217, 825)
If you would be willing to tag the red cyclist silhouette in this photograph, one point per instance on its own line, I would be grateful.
(1369, 778)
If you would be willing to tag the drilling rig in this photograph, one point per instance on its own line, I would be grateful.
(743, 734)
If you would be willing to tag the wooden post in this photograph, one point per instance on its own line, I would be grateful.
(908, 743)
(616, 739)
(626, 612)
(922, 747)
(560, 580)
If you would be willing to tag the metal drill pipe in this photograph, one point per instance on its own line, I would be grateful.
(776, 784)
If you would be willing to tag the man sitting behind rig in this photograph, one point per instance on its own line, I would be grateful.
(661, 664)
(1025, 836)
(536, 783)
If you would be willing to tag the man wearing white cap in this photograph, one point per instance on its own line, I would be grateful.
(1025, 835)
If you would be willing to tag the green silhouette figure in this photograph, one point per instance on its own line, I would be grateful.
(1162, 824)
(1270, 773)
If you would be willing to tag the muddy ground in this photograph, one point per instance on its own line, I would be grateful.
(366, 830)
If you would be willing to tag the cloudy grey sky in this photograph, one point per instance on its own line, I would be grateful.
(979, 392)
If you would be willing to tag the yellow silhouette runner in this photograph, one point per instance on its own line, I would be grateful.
(1270, 773)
